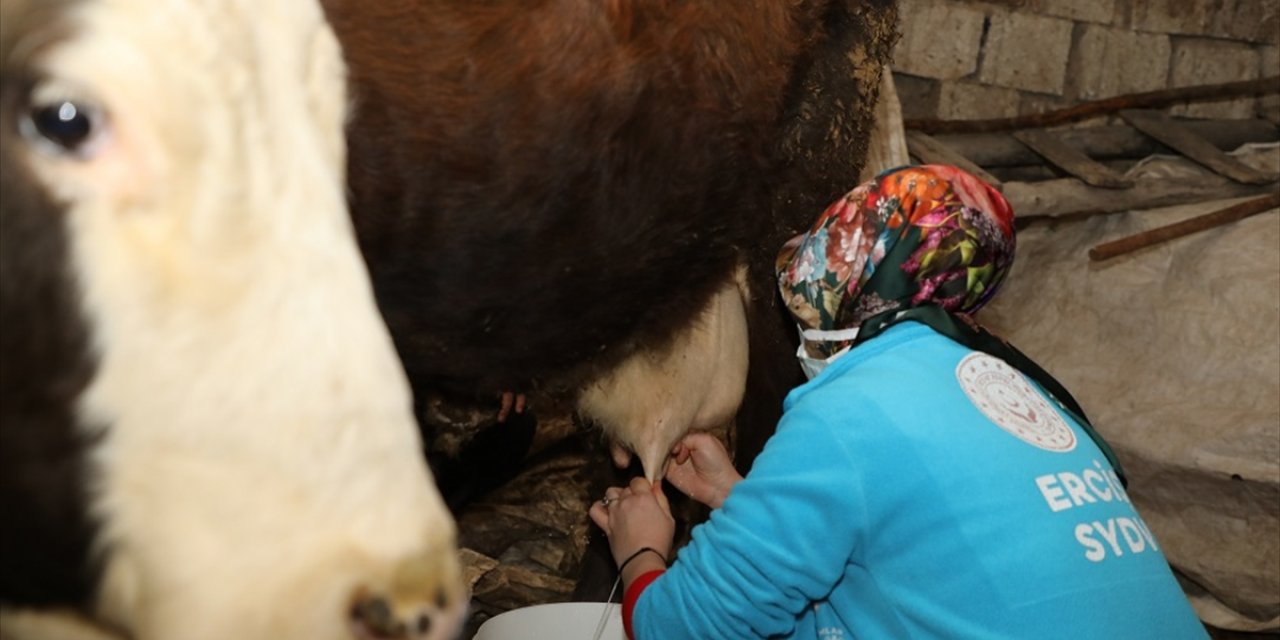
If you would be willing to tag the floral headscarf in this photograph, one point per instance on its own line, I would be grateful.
(911, 237)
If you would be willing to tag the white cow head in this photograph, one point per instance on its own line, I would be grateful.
(240, 423)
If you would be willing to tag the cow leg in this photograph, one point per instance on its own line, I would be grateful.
(492, 457)
(469, 449)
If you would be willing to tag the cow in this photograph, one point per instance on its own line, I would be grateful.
(206, 433)
(576, 198)
(581, 200)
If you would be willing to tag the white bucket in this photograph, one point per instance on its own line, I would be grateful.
(560, 621)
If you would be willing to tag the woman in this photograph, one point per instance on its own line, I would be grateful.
(927, 482)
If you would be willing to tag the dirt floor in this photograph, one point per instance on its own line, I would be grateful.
(523, 542)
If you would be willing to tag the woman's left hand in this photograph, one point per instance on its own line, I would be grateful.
(635, 517)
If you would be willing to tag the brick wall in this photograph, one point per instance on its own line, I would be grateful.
(973, 59)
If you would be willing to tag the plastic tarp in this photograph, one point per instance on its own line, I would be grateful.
(1174, 352)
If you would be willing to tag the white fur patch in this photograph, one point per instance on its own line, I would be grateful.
(260, 463)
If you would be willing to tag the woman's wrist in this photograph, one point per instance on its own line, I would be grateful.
(640, 562)
(650, 560)
(722, 492)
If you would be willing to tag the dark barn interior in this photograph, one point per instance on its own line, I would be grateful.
(546, 193)
(1091, 128)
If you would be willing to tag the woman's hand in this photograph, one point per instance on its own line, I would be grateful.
(701, 469)
(636, 517)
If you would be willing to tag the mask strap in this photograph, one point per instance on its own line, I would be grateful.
(838, 335)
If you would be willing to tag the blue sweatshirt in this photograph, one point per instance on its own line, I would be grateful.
(919, 489)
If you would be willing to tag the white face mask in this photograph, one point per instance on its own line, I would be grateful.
(814, 366)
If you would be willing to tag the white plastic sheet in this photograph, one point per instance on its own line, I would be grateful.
(1174, 352)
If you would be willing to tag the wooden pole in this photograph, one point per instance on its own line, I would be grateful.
(1186, 227)
(1104, 142)
(1071, 197)
(1086, 110)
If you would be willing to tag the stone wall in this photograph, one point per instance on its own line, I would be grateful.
(962, 59)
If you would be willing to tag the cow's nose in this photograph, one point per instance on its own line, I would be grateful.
(424, 600)
(377, 617)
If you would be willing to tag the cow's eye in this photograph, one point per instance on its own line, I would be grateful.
(63, 126)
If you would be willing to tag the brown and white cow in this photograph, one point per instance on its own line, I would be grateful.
(206, 433)
(574, 197)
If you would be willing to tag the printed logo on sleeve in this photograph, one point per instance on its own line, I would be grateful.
(1007, 399)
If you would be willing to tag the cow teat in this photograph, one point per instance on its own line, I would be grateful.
(653, 398)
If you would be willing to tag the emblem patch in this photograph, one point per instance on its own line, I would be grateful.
(1005, 396)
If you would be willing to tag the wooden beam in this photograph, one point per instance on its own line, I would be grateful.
(1170, 132)
(1037, 172)
(1069, 196)
(1071, 160)
(931, 151)
(1189, 226)
(1105, 142)
(1086, 110)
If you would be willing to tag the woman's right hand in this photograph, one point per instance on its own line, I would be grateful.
(701, 469)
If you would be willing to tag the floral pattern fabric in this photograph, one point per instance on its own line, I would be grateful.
(913, 236)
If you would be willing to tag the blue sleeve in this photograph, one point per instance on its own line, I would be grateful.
(780, 541)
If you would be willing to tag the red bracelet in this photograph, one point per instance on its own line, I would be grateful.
(633, 596)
